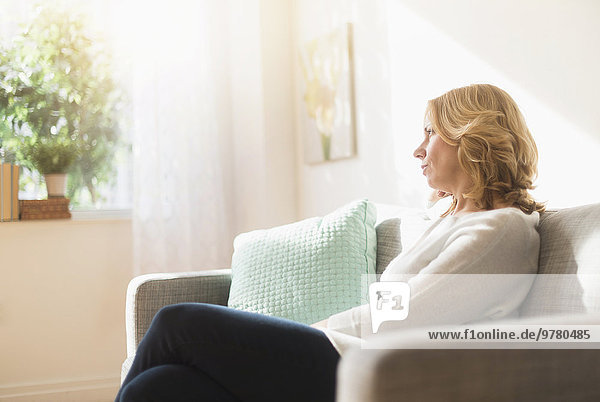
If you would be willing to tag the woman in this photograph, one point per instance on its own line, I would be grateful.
(477, 149)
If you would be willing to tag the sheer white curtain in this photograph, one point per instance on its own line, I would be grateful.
(182, 125)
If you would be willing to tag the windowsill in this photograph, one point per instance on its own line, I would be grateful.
(105, 214)
(102, 216)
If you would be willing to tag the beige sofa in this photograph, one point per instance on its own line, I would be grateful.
(570, 244)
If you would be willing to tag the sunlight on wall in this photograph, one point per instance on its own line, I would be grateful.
(425, 62)
(324, 187)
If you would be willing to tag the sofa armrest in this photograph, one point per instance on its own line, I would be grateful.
(147, 294)
(396, 373)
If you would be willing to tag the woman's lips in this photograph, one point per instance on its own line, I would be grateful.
(423, 167)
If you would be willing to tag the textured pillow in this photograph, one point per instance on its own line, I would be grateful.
(308, 270)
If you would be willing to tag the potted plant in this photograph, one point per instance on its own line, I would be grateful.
(52, 158)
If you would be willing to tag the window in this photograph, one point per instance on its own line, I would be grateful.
(72, 80)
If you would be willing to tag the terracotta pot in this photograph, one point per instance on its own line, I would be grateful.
(56, 184)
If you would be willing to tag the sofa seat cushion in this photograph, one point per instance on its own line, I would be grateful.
(568, 279)
(308, 270)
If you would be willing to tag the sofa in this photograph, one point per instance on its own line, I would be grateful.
(570, 244)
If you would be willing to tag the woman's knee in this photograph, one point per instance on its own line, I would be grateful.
(176, 315)
(167, 316)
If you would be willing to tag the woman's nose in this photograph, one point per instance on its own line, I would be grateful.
(419, 152)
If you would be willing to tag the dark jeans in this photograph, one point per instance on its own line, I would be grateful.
(204, 352)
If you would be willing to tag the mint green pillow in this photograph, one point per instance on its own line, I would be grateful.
(308, 270)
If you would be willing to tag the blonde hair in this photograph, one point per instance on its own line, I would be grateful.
(495, 147)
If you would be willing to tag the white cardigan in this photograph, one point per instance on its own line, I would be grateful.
(500, 241)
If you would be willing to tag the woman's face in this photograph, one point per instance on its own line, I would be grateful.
(439, 162)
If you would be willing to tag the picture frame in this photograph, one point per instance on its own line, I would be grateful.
(328, 103)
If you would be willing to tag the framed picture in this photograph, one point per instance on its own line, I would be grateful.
(329, 118)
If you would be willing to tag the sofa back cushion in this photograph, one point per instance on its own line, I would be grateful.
(389, 244)
(568, 279)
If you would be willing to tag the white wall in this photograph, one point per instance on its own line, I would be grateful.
(326, 186)
(262, 99)
(62, 308)
(544, 53)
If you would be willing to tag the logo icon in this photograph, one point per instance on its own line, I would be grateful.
(388, 301)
